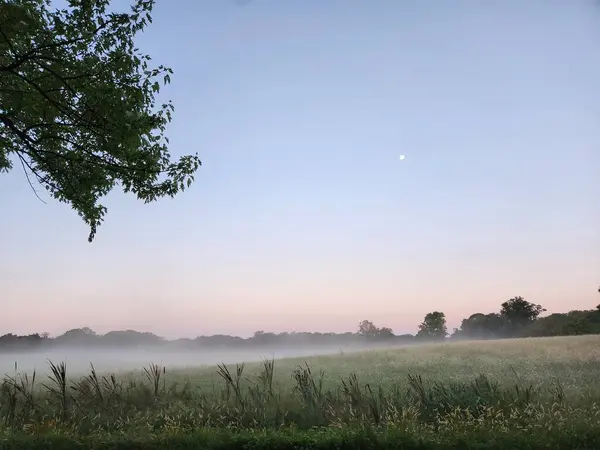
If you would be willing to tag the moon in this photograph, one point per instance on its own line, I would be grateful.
(402, 157)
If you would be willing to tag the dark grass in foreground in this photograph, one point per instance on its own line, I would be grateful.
(259, 410)
(354, 438)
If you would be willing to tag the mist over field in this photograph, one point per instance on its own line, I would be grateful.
(121, 360)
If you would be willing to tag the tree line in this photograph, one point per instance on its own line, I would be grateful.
(516, 318)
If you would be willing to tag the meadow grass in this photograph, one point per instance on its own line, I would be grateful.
(450, 392)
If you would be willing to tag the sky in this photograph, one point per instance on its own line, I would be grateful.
(303, 217)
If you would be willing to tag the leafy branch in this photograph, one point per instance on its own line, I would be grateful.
(77, 105)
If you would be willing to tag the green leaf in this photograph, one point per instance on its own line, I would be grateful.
(78, 105)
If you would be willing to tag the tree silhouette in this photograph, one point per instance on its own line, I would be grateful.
(77, 105)
(367, 328)
(385, 332)
(482, 326)
(433, 326)
(519, 312)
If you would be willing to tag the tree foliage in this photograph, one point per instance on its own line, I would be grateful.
(483, 326)
(433, 326)
(368, 329)
(476, 326)
(520, 318)
(518, 312)
(78, 106)
(122, 339)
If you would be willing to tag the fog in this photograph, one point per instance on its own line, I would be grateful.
(122, 360)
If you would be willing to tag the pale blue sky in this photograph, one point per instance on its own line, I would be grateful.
(302, 217)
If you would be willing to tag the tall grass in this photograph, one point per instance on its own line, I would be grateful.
(94, 404)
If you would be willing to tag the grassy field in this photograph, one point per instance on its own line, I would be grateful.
(530, 389)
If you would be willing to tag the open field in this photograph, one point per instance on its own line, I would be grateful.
(548, 388)
(574, 361)
(120, 360)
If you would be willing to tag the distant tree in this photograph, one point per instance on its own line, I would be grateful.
(85, 331)
(89, 331)
(565, 324)
(130, 338)
(367, 328)
(77, 336)
(481, 326)
(518, 313)
(433, 326)
(385, 333)
(405, 338)
(262, 338)
(78, 105)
